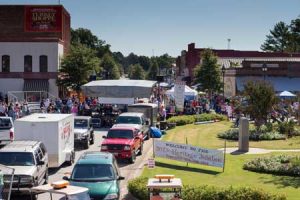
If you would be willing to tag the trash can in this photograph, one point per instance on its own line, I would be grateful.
(163, 125)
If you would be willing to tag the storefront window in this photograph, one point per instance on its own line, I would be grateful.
(27, 63)
(5, 63)
(43, 63)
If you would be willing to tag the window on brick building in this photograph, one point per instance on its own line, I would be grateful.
(5, 63)
(43, 63)
(27, 63)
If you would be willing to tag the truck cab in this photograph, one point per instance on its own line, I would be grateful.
(83, 131)
(129, 119)
(124, 142)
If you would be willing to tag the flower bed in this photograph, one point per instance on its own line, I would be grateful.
(280, 165)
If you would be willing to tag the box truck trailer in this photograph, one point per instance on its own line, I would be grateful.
(56, 131)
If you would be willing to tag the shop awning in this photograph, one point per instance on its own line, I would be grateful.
(279, 83)
(36, 85)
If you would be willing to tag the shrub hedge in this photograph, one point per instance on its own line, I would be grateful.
(233, 134)
(280, 165)
(189, 119)
(137, 187)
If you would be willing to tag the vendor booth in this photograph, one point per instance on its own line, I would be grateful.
(189, 93)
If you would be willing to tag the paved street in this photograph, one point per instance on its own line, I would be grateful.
(129, 171)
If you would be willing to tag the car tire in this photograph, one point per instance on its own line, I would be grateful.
(46, 177)
(92, 139)
(132, 158)
(87, 144)
(141, 149)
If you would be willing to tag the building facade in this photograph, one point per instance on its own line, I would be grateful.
(282, 70)
(33, 40)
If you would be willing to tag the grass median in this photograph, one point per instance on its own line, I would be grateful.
(205, 135)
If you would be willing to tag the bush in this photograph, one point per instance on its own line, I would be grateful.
(137, 187)
(287, 128)
(189, 119)
(181, 120)
(280, 165)
(233, 134)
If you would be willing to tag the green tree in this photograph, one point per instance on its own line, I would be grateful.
(279, 38)
(85, 37)
(260, 98)
(208, 73)
(110, 68)
(77, 66)
(136, 72)
(153, 70)
(295, 35)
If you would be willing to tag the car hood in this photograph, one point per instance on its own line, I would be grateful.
(24, 170)
(98, 189)
(117, 141)
(80, 130)
(136, 126)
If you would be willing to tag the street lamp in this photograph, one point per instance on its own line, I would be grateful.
(264, 69)
(223, 74)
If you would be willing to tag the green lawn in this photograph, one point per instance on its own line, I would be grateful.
(234, 175)
(206, 136)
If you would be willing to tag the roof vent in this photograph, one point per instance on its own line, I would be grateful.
(42, 117)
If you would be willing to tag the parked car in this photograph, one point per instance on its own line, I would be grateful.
(99, 172)
(6, 129)
(83, 131)
(134, 118)
(30, 161)
(123, 142)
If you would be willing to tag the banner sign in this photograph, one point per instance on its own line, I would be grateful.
(43, 19)
(188, 153)
(179, 94)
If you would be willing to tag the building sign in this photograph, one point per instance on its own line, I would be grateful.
(43, 19)
(260, 65)
(188, 153)
(179, 95)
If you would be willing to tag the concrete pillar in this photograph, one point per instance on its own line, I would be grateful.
(244, 134)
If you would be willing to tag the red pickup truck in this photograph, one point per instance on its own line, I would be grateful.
(124, 142)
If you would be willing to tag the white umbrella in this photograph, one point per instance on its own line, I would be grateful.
(286, 94)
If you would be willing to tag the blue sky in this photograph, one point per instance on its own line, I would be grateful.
(148, 27)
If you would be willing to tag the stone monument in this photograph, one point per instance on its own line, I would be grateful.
(244, 134)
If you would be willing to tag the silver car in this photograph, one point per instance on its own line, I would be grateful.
(30, 161)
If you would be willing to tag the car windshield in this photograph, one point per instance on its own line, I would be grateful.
(16, 158)
(93, 172)
(128, 134)
(80, 123)
(128, 120)
(5, 123)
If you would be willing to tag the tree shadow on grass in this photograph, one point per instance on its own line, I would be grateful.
(283, 181)
(186, 168)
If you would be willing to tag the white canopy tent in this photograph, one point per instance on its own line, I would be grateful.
(119, 88)
(286, 94)
(187, 91)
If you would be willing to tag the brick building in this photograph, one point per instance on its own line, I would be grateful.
(282, 70)
(33, 40)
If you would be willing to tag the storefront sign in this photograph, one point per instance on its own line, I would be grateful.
(188, 153)
(43, 19)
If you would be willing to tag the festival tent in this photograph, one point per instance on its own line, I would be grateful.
(286, 94)
(119, 88)
(189, 93)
